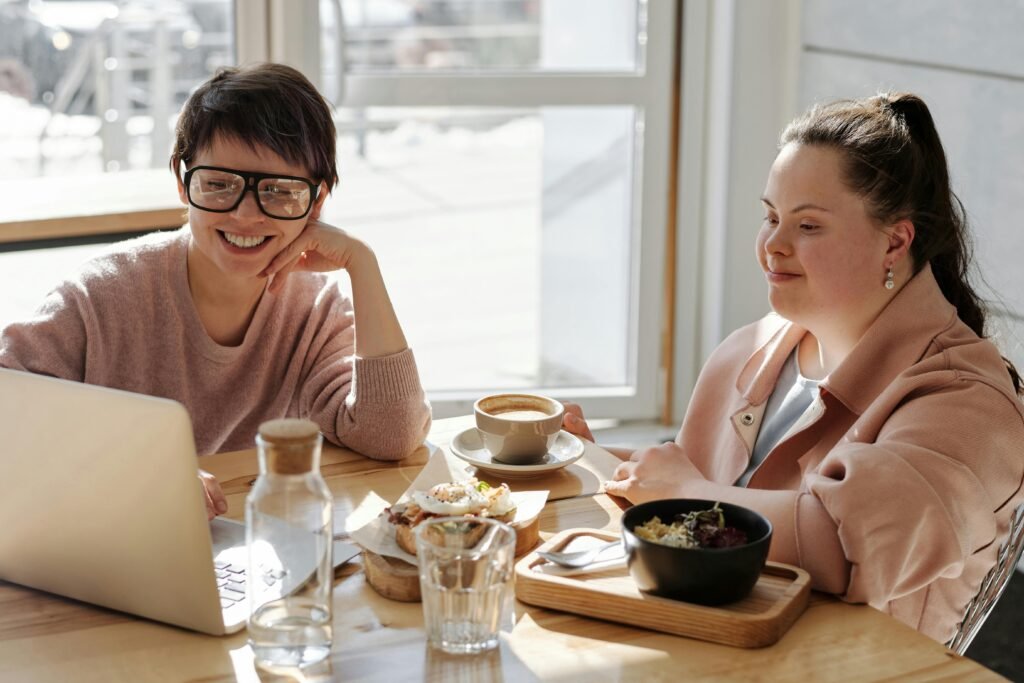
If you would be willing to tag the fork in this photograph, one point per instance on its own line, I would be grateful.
(579, 558)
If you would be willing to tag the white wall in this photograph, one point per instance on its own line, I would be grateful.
(738, 84)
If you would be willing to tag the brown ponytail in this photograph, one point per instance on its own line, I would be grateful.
(894, 159)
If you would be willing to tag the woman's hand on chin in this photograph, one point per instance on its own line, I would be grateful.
(320, 247)
(653, 474)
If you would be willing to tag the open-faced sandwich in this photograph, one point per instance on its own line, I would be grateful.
(470, 498)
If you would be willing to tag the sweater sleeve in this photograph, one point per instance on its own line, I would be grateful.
(375, 406)
(54, 340)
(914, 505)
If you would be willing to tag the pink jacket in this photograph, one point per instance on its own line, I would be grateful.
(899, 493)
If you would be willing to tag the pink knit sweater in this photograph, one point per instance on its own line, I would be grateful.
(127, 321)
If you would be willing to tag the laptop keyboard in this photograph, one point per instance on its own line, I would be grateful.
(230, 583)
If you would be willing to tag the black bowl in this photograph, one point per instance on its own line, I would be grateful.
(707, 576)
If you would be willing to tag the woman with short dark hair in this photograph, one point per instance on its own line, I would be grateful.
(231, 315)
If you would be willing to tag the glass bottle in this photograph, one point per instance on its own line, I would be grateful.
(289, 534)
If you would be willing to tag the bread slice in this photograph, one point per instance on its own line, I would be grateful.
(406, 538)
(507, 517)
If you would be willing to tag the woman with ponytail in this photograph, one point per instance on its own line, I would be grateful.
(868, 417)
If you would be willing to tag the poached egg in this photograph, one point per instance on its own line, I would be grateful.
(468, 497)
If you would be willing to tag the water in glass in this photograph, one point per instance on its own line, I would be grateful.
(465, 581)
(290, 633)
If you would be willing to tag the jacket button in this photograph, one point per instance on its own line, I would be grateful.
(747, 419)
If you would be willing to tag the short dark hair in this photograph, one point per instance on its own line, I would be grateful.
(268, 105)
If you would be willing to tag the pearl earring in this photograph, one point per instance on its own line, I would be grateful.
(889, 284)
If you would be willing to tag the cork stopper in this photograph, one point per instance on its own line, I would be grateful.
(290, 445)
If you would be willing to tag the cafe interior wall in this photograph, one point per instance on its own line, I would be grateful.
(738, 81)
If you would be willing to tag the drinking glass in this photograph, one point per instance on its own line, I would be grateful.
(466, 575)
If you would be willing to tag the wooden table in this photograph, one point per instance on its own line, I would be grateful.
(49, 638)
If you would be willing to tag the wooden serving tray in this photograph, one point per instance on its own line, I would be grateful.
(760, 619)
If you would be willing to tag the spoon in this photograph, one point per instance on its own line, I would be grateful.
(580, 558)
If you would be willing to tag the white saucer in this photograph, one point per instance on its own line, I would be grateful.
(467, 445)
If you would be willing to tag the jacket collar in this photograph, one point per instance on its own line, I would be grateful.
(757, 378)
(898, 338)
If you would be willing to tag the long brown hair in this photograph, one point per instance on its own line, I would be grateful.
(893, 158)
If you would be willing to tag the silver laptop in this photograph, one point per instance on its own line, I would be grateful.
(99, 501)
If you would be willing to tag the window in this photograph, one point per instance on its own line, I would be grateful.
(88, 87)
(88, 90)
(509, 161)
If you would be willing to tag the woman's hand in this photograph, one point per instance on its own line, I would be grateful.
(216, 503)
(318, 248)
(653, 474)
(574, 422)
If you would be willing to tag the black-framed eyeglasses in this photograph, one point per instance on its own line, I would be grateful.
(221, 190)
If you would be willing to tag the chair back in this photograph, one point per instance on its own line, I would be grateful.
(992, 586)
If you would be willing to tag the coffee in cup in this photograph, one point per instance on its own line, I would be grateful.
(518, 428)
